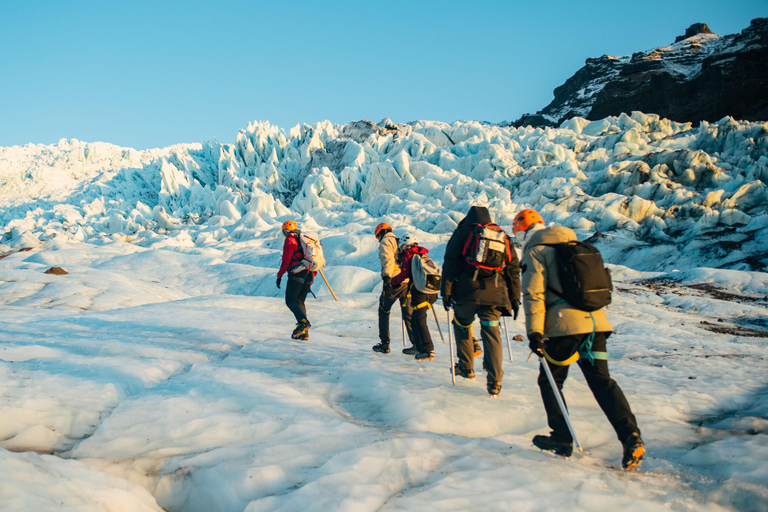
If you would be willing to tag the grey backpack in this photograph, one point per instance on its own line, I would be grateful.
(425, 274)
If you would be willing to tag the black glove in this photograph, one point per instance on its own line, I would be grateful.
(536, 343)
(515, 308)
(387, 280)
(447, 302)
(279, 278)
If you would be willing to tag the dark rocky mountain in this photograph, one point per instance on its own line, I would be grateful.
(700, 77)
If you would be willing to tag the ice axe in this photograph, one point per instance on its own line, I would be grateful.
(438, 326)
(329, 286)
(506, 333)
(450, 347)
(556, 391)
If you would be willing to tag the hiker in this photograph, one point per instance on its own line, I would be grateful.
(488, 293)
(300, 279)
(420, 302)
(558, 332)
(390, 293)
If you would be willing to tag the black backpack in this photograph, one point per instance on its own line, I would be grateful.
(585, 281)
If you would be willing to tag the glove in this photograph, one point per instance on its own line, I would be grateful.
(279, 279)
(515, 308)
(536, 343)
(447, 302)
(387, 280)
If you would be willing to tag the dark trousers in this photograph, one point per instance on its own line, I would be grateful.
(420, 304)
(296, 291)
(464, 315)
(608, 394)
(389, 295)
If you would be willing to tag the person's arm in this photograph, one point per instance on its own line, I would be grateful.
(290, 246)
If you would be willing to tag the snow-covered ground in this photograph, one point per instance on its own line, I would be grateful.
(158, 372)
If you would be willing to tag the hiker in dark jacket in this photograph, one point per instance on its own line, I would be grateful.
(470, 293)
(558, 332)
(300, 279)
(420, 302)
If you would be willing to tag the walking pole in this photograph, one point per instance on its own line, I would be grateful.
(329, 286)
(556, 391)
(506, 333)
(403, 324)
(450, 347)
(438, 326)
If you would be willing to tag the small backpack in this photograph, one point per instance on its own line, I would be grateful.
(585, 281)
(313, 251)
(425, 274)
(487, 249)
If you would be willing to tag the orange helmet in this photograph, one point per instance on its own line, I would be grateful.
(524, 220)
(290, 225)
(381, 227)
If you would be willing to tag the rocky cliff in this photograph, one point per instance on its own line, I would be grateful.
(700, 77)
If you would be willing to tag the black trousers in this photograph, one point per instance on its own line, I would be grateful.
(389, 295)
(464, 315)
(296, 291)
(420, 304)
(608, 394)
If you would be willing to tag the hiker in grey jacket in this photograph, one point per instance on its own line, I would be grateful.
(388, 245)
(562, 334)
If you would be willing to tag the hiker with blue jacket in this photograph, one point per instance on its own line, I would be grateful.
(561, 334)
(488, 293)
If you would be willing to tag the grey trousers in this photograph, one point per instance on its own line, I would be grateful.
(464, 315)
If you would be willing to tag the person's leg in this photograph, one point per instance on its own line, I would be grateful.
(559, 349)
(463, 316)
(493, 355)
(420, 304)
(293, 290)
(607, 392)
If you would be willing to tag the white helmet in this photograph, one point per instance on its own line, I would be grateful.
(407, 240)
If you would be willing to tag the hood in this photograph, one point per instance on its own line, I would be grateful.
(476, 215)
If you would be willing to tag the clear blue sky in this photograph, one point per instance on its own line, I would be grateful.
(150, 73)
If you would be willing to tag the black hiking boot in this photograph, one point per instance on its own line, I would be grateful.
(634, 448)
(561, 448)
(425, 356)
(463, 372)
(301, 329)
(478, 350)
(382, 348)
(494, 388)
(410, 351)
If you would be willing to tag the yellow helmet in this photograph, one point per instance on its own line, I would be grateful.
(524, 220)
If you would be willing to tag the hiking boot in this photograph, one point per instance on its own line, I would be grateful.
(478, 350)
(301, 329)
(303, 337)
(634, 448)
(463, 372)
(559, 447)
(494, 387)
(425, 356)
(410, 351)
(382, 348)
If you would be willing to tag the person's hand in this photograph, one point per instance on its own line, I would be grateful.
(536, 343)
(447, 302)
(515, 308)
(279, 279)
(387, 280)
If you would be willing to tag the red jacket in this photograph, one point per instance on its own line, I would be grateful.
(293, 254)
(404, 262)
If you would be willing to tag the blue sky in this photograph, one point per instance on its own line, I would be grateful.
(148, 74)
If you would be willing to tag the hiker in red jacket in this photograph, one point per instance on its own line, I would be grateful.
(420, 302)
(300, 279)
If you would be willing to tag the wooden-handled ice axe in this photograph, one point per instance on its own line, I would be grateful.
(329, 286)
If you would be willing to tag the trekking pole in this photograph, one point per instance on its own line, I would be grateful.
(438, 326)
(556, 391)
(450, 347)
(329, 286)
(403, 324)
(506, 333)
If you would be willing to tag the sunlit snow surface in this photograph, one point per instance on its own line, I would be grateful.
(159, 371)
